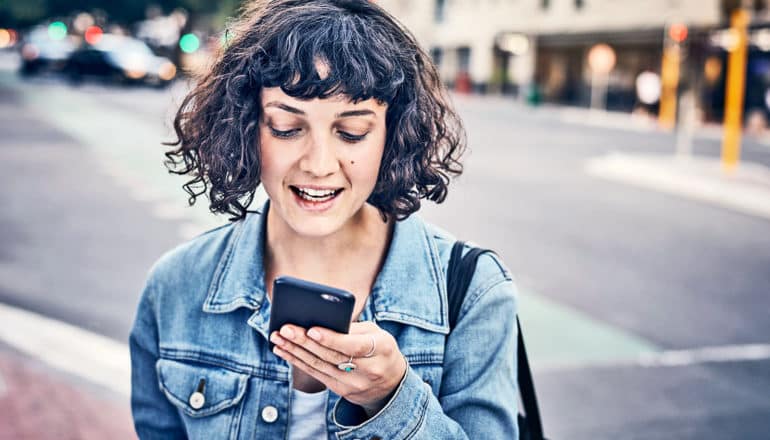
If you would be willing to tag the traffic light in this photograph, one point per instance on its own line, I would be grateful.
(674, 51)
(677, 32)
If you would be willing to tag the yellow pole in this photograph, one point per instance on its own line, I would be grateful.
(736, 78)
(669, 82)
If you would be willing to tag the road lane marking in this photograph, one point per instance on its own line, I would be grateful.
(706, 355)
(673, 358)
(68, 348)
(106, 362)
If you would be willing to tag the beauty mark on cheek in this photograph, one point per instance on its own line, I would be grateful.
(352, 162)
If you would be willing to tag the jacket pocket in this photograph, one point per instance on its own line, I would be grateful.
(209, 395)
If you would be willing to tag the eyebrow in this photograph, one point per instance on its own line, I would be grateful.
(284, 107)
(297, 111)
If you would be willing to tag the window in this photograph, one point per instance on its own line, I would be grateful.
(438, 13)
(464, 58)
(435, 54)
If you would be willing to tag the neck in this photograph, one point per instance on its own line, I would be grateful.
(359, 246)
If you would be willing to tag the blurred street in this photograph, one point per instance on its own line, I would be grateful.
(646, 309)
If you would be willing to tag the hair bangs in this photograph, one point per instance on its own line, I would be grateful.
(333, 55)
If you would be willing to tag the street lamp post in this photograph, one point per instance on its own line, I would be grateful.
(736, 79)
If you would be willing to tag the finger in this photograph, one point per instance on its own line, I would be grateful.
(329, 381)
(298, 336)
(338, 381)
(362, 327)
(309, 359)
(367, 369)
(356, 345)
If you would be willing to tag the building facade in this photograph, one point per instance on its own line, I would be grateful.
(541, 46)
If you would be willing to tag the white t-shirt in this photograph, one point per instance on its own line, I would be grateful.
(308, 415)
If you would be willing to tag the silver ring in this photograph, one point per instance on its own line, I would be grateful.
(347, 366)
(374, 347)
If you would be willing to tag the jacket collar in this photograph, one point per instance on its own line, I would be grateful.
(411, 287)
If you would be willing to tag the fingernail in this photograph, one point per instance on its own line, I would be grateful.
(314, 334)
(277, 340)
(286, 331)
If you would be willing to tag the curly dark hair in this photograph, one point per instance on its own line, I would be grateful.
(371, 55)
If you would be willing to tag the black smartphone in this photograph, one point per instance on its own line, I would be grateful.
(309, 304)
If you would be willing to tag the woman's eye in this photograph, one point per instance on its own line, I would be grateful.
(284, 134)
(352, 138)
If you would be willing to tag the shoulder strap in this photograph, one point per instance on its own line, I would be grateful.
(459, 274)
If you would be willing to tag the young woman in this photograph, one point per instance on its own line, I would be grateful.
(336, 111)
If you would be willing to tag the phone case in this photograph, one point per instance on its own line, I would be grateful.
(309, 304)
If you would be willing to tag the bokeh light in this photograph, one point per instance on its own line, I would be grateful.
(189, 43)
(167, 71)
(82, 22)
(57, 30)
(648, 87)
(93, 34)
(678, 32)
(5, 38)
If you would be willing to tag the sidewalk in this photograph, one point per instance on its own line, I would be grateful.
(745, 189)
(608, 119)
(38, 403)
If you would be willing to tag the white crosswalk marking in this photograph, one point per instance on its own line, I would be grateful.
(69, 348)
(106, 362)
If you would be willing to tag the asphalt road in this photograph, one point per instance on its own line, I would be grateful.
(603, 268)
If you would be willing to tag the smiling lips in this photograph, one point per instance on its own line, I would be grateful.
(315, 195)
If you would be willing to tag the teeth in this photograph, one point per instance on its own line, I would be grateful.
(315, 194)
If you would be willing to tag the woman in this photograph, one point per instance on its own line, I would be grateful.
(333, 107)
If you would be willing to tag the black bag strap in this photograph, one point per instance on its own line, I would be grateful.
(459, 274)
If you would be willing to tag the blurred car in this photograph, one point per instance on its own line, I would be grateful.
(120, 59)
(41, 53)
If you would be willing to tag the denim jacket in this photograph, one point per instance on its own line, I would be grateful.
(204, 315)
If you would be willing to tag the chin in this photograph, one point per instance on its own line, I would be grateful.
(316, 227)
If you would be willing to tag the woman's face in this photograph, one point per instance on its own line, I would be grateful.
(320, 158)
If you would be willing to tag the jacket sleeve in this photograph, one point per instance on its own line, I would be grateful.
(479, 391)
(154, 416)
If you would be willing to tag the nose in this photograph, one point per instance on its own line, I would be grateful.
(320, 158)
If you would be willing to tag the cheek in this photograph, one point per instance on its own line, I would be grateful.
(273, 164)
(364, 168)
(272, 173)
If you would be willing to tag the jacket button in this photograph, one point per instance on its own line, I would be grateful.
(269, 414)
(197, 400)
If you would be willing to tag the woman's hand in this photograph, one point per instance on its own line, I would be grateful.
(380, 366)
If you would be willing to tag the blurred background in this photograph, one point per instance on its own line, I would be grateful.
(619, 162)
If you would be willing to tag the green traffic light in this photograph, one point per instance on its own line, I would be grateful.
(189, 43)
(57, 30)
